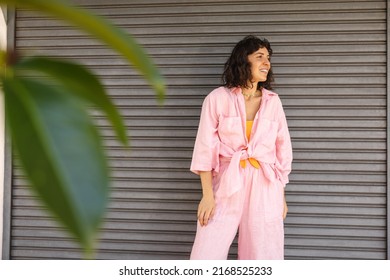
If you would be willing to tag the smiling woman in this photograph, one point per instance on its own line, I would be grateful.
(242, 121)
(246, 60)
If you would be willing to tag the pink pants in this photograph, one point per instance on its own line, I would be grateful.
(256, 210)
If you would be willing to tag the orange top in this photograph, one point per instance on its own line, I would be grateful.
(252, 161)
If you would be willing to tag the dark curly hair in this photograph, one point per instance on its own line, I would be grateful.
(237, 70)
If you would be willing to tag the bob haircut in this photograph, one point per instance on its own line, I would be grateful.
(237, 70)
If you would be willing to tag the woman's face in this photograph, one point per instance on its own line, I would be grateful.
(260, 65)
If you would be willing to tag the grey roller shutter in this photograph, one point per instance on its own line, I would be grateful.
(330, 65)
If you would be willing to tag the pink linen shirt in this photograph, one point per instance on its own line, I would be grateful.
(221, 138)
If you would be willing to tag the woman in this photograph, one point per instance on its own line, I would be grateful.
(243, 156)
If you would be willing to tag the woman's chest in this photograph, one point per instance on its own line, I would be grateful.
(252, 106)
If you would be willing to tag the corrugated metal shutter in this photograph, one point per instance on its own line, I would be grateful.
(330, 65)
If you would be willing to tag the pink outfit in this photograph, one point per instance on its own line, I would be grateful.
(246, 198)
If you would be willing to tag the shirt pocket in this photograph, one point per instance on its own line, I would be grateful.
(268, 131)
(230, 130)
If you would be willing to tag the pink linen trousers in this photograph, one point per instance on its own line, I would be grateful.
(248, 199)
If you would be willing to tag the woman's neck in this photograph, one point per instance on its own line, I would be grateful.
(251, 90)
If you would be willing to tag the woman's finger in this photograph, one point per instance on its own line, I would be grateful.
(200, 216)
(206, 218)
(212, 213)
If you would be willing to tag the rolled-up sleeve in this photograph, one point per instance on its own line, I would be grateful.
(283, 148)
(206, 150)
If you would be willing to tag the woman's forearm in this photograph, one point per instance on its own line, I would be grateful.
(206, 206)
(206, 181)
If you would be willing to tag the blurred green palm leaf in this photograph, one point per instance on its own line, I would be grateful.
(100, 29)
(77, 80)
(60, 152)
(58, 146)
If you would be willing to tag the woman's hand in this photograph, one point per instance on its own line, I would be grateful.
(206, 206)
(206, 209)
(285, 208)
